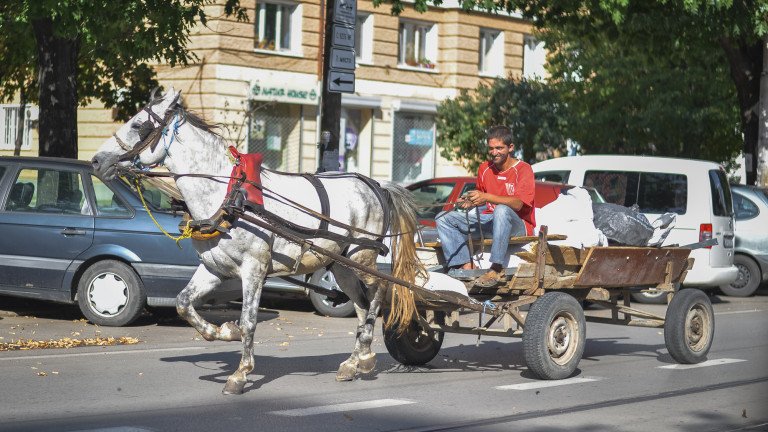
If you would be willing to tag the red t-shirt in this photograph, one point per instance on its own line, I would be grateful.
(516, 181)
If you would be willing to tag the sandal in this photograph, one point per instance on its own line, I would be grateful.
(489, 279)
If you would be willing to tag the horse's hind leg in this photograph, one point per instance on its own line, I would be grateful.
(203, 283)
(362, 359)
(253, 281)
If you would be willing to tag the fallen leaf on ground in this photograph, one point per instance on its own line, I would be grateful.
(28, 344)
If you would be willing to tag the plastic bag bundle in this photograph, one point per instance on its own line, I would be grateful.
(622, 225)
(662, 226)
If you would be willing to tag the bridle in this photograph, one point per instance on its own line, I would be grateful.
(149, 136)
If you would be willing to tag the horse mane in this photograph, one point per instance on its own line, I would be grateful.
(193, 118)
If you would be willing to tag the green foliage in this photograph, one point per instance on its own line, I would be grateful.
(116, 40)
(529, 107)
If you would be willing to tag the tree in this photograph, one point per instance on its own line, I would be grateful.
(77, 50)
(529, 107)
(639, 90)
(739, 27)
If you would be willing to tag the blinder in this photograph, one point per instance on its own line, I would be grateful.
(149, 132)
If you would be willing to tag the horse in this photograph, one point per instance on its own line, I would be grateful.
(165, 134)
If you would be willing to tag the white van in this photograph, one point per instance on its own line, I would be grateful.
(696, 190)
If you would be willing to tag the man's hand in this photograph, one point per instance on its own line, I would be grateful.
(475, 198)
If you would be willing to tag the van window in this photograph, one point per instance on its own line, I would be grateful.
(721, 193)
(553, 176)
(744, 207)
(654, 193)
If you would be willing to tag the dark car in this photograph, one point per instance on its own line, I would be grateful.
(438, 194)
(750, 207)
(68, 236)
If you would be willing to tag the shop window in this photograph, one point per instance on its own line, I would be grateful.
(364, 38)
(417, 45)
(413, 147)
(278, 27)
(275, 132)
(9, 121)
(349, 142)
(491, 52)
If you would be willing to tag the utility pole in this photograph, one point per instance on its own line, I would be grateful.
(338, 76)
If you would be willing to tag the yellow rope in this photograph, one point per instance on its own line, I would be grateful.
(184, 235)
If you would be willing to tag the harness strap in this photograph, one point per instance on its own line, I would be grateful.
(325, 204)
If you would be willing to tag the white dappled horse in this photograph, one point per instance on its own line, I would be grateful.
(164, 133)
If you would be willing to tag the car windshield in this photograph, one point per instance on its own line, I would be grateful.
(158, 193)
(431, 198)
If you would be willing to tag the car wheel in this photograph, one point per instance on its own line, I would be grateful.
(748, 280)
(658, 297)
(323, 305)
(111, 294)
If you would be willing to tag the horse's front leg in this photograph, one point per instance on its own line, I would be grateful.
(203, 283)
(253, 280)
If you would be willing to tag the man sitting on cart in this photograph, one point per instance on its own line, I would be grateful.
(505, 208)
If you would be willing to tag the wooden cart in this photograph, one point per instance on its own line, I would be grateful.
(554, 282)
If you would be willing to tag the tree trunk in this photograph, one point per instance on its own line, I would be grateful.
(762, 143)
(20, 123)
(57, 68)
(746, 62)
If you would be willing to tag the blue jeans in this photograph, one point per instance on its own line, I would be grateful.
(452, 227)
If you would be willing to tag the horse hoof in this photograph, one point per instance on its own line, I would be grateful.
(233, 388)
(346, 372)
(230, 331)
(366, 363)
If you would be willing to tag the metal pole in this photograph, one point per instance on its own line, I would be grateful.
(330, 104)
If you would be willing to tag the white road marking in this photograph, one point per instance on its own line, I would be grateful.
(714, 362)
(352, 406)
(547, 383)
(739, 312)
(101, 353)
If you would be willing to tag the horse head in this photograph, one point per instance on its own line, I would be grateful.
(136, 141)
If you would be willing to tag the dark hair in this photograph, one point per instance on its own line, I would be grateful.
(502, 133)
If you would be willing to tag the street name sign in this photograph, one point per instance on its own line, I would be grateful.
(342, 58)
(343, 36)
(341, 82)
(345, 11)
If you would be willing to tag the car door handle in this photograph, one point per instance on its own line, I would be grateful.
(72, 231)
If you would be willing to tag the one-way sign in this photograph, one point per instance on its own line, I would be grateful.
(341, 82)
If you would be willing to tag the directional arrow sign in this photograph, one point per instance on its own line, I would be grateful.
(341, 82)
(344, 12)
(342, 58)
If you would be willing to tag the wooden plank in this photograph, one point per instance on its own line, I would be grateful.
(512, 240)
(558, 255)
(631, 266)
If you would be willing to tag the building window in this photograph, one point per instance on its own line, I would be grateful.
(278, 27)
(364, 38)
(9, 122)
(275, 132)
(534, 58)
(418, 45)
(413, 152)
(491, 52)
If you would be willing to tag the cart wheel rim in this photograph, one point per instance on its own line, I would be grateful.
(562, 338)
(697, 325)
(107, 294)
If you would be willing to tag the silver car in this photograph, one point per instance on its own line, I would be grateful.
(750, 205)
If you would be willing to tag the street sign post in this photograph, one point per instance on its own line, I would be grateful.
(342, 59)
(345, 12)
(343, 36)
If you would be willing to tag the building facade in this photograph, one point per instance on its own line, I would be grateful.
(262, 80)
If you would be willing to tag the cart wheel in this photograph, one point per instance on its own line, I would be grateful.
(689, 326)
(415, 346)
(554, 336)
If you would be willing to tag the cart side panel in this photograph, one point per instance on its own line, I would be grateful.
(632, 266)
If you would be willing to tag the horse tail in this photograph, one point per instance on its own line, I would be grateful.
(405, 263)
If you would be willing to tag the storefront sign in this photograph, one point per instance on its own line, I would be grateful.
(284, 94)
(420, 137)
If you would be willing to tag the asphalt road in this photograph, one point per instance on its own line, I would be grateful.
(172, 379)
